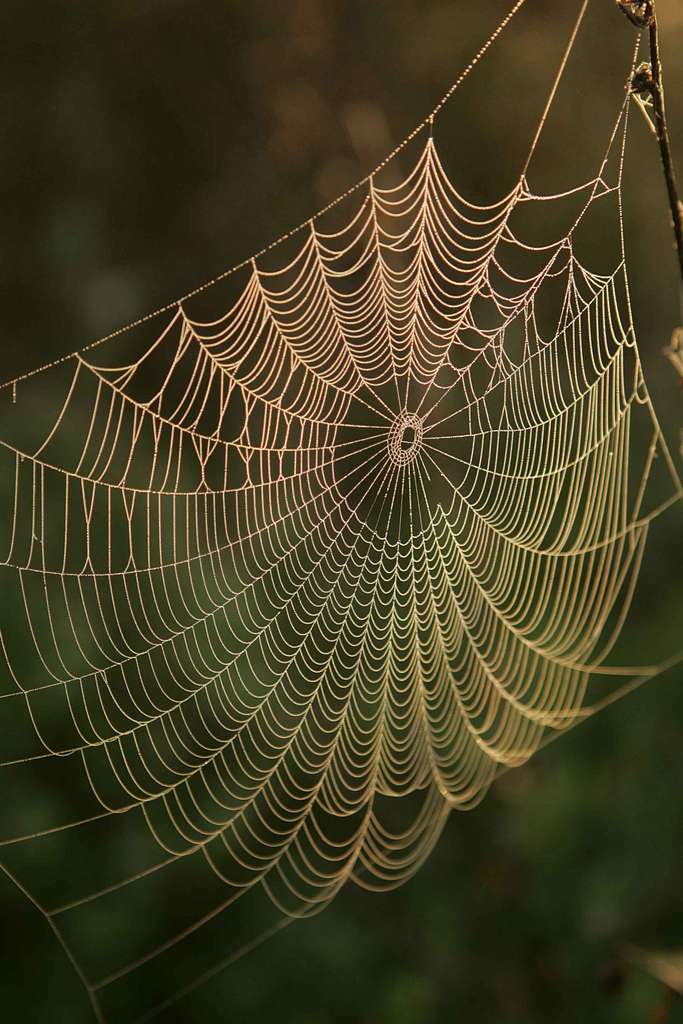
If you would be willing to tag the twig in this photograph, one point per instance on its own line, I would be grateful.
(664, 143)
(640, 13)
(647, 82)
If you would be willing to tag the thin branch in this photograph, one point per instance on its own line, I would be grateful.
(648, 88)
(663, 138)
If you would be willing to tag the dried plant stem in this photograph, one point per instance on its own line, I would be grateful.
(648, 81)
(659, 111)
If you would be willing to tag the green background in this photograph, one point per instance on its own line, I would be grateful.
(148, 145)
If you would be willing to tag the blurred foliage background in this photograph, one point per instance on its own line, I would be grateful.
(147, 145)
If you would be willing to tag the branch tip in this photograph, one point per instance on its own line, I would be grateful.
(640, 13)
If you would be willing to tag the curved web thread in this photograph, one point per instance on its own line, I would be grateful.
(300, 579)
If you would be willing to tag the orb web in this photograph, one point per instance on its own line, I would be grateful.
(299, 579)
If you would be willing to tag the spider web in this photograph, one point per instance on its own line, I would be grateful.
(298, 580)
